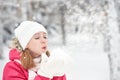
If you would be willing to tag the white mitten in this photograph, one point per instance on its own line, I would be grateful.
(54, 66)
(57, 59)
(44, 68)
(61, 60)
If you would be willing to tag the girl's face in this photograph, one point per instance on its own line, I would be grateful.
(38, 44)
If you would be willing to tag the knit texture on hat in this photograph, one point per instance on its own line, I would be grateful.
(26, 30)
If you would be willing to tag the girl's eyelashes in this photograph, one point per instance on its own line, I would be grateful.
(37, 37)
(45, 37)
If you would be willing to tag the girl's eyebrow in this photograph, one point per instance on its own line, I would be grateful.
(38, 33)
(44, 33)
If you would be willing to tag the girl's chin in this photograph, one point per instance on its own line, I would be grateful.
(44, 51)
(36, 56)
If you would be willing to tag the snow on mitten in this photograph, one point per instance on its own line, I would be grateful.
(54, 66)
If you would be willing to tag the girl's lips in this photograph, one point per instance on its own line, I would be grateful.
(44, 48)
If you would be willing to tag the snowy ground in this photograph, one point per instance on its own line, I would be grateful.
(89, 61)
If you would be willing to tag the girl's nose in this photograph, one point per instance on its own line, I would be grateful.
(43, 40)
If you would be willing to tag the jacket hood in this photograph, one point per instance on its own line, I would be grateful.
(14, 54)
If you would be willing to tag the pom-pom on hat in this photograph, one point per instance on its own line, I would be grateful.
(26, 30)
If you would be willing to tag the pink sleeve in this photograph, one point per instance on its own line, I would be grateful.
(59, 78)
(14, 71)
(38, 77)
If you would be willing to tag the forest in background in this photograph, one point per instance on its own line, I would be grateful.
(98, 19)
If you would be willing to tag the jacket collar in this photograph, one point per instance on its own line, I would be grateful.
(14, 54)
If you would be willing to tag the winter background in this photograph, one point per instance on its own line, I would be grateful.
(87, 30)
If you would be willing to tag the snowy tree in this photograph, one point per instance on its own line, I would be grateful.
(115, 39)
(97, 21)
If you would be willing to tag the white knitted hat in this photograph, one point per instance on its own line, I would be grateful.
(26, 30)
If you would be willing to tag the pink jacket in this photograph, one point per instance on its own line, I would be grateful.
(15, 71)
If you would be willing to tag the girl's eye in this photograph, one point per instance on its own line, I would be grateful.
(37, 37)
(45, 37)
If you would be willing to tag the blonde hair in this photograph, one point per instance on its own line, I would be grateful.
(25, 58)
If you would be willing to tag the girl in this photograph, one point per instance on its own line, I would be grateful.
(29, 57)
